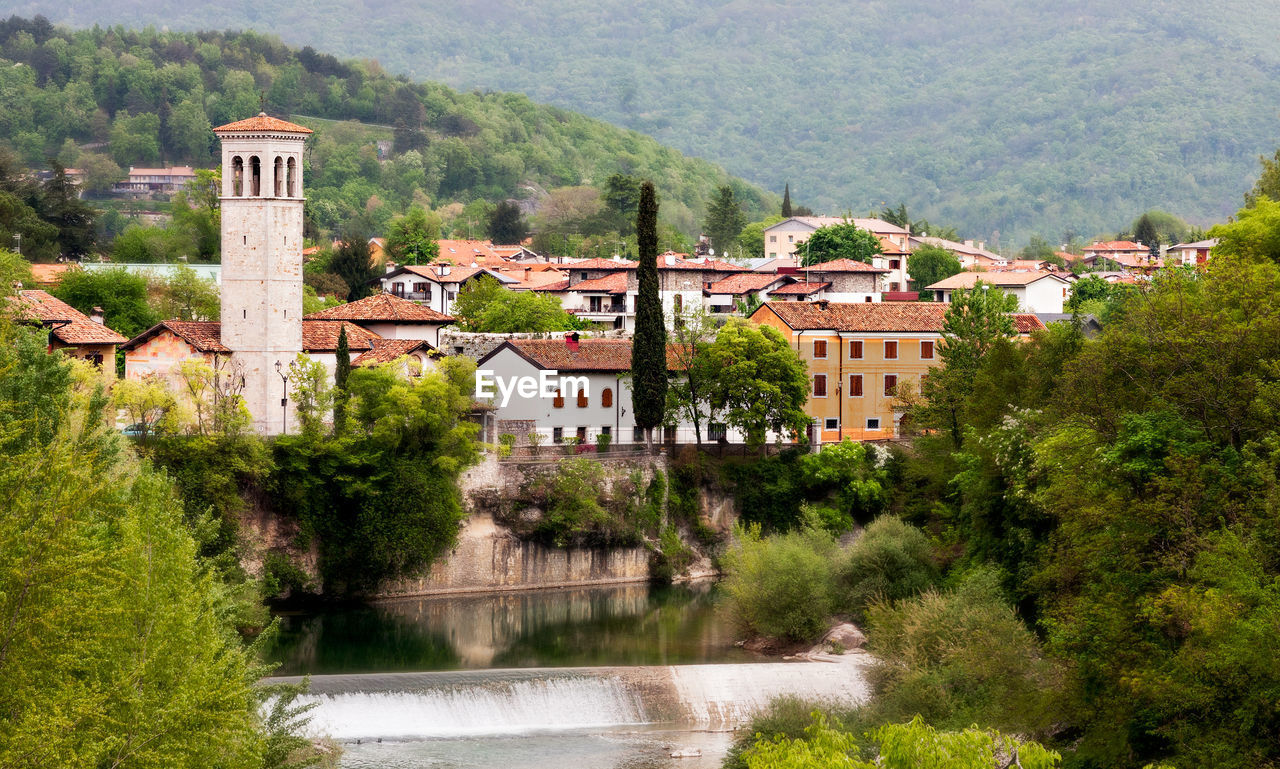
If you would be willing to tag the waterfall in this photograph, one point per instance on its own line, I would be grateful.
(501, 702)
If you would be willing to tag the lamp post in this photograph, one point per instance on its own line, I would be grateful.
(284, 399)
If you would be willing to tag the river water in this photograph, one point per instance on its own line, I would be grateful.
(602, 678)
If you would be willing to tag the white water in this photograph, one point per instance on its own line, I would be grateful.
(721, 697)
(515, 707)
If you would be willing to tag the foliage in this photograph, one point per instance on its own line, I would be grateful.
(959, 657)
(115, 648)
(1268, 183)
(578, 508)
(411, 239)
(520, 311)
(693, 373)
(1253, 234)
(122, 296)
(381, 497)
(1088, 290)
(184, 295)
(352, 259)
(840, 241)
(888, 562)
(649, 346)
(13, 270)
(843, 479)
(780, 585)
(148, 404)
(313, 398)
(751, 239)
(762, 383)
(507, 226)
(929, 264)
(213, 391)
(725, 220)
(42, 220)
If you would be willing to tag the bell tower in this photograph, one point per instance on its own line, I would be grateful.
(262, 259)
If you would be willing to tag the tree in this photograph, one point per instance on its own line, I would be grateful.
(60, 205)
(474, 298)
(1088, 290)
(149, 404)
(184, 295)
(1253, 235)
(840, 241)
(351, 261)
(929, 264)
(762, 383)
(1145, 233)
(622, 200)
(751, 239)
(786, 201)
(135, 139)
(649, 347)
(897, 216)
(341, 370)
(975, 321)
(725, 220)
(1268, 183)
(313, 398)
(523, 312)
(687, 393)
(507, 226)
(121, 294)
(100, 171)
(412, 238)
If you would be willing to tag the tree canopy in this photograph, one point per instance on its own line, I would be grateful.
(839, 241)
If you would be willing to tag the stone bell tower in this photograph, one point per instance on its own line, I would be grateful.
(262, 259)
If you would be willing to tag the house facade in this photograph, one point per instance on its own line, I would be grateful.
(787, 238)
(861, 356)
(71, 331)
(434, 285)
(390, 317)
(1037, 292)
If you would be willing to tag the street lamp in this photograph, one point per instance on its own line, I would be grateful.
(284, 399)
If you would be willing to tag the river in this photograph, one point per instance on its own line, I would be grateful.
(602, 678)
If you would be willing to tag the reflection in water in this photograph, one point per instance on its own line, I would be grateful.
(622, 625)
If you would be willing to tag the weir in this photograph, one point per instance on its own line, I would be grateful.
(498, 702)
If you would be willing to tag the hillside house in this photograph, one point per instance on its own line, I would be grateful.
(390, 317)
(1037, 292)
(71, 331)
(1190, 254)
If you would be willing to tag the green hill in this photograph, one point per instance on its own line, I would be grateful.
(93, 97)
(1003, 117)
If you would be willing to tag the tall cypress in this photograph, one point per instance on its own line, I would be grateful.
(649, 348)
(340, 373)
(786, 201)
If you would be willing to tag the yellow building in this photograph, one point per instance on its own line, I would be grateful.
(859, 354)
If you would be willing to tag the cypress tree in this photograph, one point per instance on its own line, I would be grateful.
(340, 373)
(786, 201)
(649, 348)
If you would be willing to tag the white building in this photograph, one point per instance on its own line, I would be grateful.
(434, 285)
(1037, 292)
(787, 238)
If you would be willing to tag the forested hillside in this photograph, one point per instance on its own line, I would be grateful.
(106, 99)
(1003, 117)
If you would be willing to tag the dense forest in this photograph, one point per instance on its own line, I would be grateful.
(1003, 119)
(105, 99)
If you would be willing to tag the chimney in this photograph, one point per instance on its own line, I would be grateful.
(391, 266)
(969, 243)
(97, 316)
(671, 259)
(444, 269)
(982, 245)
(821, 304)
(571, 341)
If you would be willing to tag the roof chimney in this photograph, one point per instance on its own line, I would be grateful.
(97, 316)
(821, 304)
(671, 259)
(571, 341)
(444, 269)
(391, 267)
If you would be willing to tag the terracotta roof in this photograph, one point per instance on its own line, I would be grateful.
(48, 274)
(874, 317)
(465, 252)
(263, 122)
(742, 284)
(67, 324)
(889, 248)
(174, 171)
(1116, 245)
(202, 335)
(614, 283)
(552, 288)
(603, 264)
(322, 336)
(969, 279)
(387, 350)
(456, 274)
(842, 265)
(719, 265)
(382, 308)
(601, 355)
(800, 289)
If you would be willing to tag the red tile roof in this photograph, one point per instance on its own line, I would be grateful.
(603, 264)
(742, 284)
(322, 336)
(263, 122)
(68, 325)
(874, 317)
(456, 274)
(842, 265)
(49, 274)
(1116, 245)
(206, 336)
(799, 289)
(385, 308)
(614, 283)
(387, 350)
(600, 355)
(553, 288)
(970, 279)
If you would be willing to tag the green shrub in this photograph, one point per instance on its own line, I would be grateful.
(781, 585)
(672, 557)
(506, 444)
(784, 718)
(958, 658)
(282, 578)
(603, 441)
(536, 439)
(890, 561)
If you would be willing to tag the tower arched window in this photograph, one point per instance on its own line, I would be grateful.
(277, 180)
(293, 177)
(255, 176)
(237, 176)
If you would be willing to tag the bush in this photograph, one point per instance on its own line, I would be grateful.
(506, 443)
(890, 561)
(672, 557)
(780, 586)
(784, 718)
(536, 440)
(958, 658)
(603, 441)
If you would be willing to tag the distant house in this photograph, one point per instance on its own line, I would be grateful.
(79, 335)
(1190, 254)
(859, 355)
(847, 280)
(971, 253)
(1036, 291)
(723, 296)
(1125, 253)
(434, 285)
(786, 238)
(166, 180)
